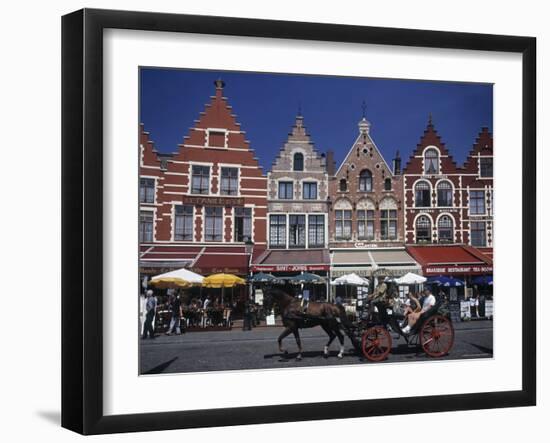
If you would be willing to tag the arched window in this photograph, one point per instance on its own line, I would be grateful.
(422, 197)
(343, 185)
(387, 184)
(444, 194)
(423, 229)
(431, 161)
(298, 161)
(445, 229)
(365, 180)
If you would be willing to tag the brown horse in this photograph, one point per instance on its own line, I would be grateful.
(327, 315)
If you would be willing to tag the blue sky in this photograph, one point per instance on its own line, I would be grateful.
(266, 106)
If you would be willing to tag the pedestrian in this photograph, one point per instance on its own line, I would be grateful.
(150, 310)
(175, 308)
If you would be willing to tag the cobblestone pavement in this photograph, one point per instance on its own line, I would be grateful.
(257, 349)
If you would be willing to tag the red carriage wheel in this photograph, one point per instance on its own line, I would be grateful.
(376, 343)
(437, 336)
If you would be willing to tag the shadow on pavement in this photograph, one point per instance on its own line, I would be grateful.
(160, 368)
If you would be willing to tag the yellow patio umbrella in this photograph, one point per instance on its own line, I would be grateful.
(222, 281)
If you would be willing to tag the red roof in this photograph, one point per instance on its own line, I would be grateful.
(452, 259)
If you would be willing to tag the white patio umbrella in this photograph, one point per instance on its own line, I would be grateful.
(350, 279)
(178, 278)
(410, 279)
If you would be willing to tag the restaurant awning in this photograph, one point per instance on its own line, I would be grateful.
(451, 260)
(204, 260)
(292, 260)
(369, 262)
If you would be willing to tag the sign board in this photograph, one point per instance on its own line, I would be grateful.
(465, 309)
(290, 268)
(259, 296)
(216, 201)
(458, 270)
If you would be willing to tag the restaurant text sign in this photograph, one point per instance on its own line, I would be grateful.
(467, 269)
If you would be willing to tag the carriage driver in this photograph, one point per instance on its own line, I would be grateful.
(379, 295)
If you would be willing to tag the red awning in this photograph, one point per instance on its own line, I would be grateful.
(292, 260)
(449, 260)
(203, 259)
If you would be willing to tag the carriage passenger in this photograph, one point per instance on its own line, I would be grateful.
(427, 303)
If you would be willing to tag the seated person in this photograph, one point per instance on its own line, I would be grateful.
(427, 304)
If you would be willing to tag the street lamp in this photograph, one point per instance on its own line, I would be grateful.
(248, 248)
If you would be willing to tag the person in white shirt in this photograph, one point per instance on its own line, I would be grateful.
(412, 318)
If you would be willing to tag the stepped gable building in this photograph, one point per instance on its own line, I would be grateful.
(432, 193)
(205, 203)
(366, 213)
(445, 203)
(448, 209)
(297, 208)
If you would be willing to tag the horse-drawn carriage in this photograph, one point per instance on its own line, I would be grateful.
(371, 336)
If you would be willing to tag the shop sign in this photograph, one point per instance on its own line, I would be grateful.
(290, 268)
(468, 269)
(217, 201)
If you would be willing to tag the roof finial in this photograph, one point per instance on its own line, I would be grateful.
(364, 107)
(219, 83)
(299, 108)
(430, 122)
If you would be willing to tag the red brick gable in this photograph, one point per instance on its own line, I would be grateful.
(482, 146)
(148, 152)
(430, 138)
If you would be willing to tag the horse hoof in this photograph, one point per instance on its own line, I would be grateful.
(298, 357)
(340, 356)
(285, 352)
(325, 355)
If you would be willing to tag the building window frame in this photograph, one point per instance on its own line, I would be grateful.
(200, 181)
(365, 224)
(423, 223)
(214, 223)
(478, 228)
(147, 190)
(277, 222)
(423, 200)
(387, 184)
(242, 224)
(285, 190)
(431, 160)
(343, 221)
(184, 222)
(485, 165)
(232, 180)
(311, 185)
(297, 231)
(298, 162)
(444, 191)
(343, 185)
(388, 224)
(316, 230)
(476, 202)
(365, 181)
(146, 226)
(445, 228)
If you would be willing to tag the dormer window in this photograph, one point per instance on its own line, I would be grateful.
(431, 162)
(387, 184)
(298, 163)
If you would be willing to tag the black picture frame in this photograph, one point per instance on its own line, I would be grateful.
(82, 215)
